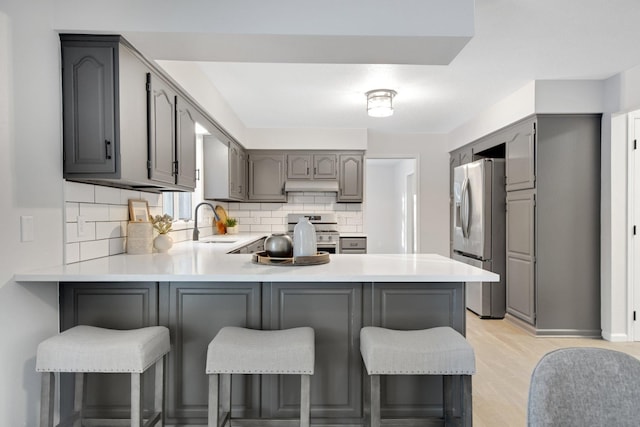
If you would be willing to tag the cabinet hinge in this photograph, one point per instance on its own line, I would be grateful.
(175, 168)
(149, 164)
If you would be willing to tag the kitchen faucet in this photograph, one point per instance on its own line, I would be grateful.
(196, 232)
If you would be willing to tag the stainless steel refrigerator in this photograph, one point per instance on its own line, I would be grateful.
(479, 230)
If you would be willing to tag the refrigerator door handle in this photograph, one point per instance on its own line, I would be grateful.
(464, 214)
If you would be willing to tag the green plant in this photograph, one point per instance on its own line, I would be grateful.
(162, 223)
(231, 222)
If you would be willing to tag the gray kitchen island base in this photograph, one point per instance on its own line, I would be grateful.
(195, 311)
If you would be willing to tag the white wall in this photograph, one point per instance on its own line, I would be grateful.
(431, 153)
(293, 139)
(30, 185)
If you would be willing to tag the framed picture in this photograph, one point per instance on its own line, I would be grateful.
(138, 210)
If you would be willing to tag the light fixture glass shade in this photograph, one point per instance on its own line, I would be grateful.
(380, 102)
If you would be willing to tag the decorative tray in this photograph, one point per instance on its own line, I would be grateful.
(264, 258)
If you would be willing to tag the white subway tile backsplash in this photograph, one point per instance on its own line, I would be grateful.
(108, 230)
(125, 195)
(356, 220)
(260, 214)
(72, 211)
(117, 246)
(72, 232)
(152, 199)
(261, 228)
(72, 253)
(272, 221)
(94, 249)
(118, 213)
(107, 195)
(94, 212)
(77, 192)
(249, 206)
(270, 206)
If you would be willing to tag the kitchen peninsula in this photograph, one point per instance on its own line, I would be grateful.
(196, 289)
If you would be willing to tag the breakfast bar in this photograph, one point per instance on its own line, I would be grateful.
(197, 288)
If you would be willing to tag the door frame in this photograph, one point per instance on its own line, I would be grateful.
(633, 219)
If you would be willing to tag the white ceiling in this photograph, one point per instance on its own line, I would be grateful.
(515, 41)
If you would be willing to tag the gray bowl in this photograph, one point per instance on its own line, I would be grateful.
(279, 246)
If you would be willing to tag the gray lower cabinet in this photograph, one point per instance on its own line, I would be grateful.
(114, 306)
(334, 310)
(194, 312)
(267, 177)
(521, 255)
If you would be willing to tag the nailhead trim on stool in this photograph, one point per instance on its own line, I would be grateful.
(237, 350)
(436, 351)
(88, 349)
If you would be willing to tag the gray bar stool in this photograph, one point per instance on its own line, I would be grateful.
(87, 349)
(435, 351)
(248, 351)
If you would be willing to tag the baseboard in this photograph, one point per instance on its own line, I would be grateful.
(558, 333)
(606, 335)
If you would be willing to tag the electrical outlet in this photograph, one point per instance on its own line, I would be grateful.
(82, 225)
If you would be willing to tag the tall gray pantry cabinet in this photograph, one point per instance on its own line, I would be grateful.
(553, 223)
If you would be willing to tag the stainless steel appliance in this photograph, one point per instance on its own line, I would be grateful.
(479, 230)
(326, 225)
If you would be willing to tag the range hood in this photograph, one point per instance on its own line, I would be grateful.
(327, 186)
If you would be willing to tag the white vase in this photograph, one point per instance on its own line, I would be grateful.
(163, 243)
(304, 238)
(232, 230)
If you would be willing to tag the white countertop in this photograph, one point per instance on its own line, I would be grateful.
(208, 262)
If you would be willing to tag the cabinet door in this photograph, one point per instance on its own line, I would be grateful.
(266, 177)
(113, 306)
(410, 306)
(195, 312)
(89, 116)
(334, 310)
(298, 166)
(242, 174)
(521, 255)
(466, 155)
(185, 145)
(325, 166)
(350, 178)
(520, 156)
(162, 130)
(237, 171)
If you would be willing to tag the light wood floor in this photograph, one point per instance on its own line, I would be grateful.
(505, 358)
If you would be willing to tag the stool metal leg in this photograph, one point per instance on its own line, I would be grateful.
(46, 399)
(305, 400)
(375, 400)
(213, 400)
(136, 400)
(158, 399)
(447, 398)
(78, 399)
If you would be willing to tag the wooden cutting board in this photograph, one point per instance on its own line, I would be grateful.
(222, 214)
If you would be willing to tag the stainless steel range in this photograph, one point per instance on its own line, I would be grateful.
(326, 225)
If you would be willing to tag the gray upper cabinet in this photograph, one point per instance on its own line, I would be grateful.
(312, 166)
(89, 119)
(162, 130)
(185, 144)
(122, 123)
(350, 177)
(225, 169)
(267, 177)
(520, 155)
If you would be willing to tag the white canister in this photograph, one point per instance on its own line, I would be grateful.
(304, 238)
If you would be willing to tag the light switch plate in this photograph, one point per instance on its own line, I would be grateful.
(26, 228)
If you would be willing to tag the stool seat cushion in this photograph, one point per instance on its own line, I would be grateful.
(435, 351)
(248, 351)
(91, 349)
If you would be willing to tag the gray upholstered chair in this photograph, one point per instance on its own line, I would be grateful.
(585, 387)
(435, 351)
(87, 349)
(237, 350)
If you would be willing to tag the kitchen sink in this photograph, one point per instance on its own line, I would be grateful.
(217, 241)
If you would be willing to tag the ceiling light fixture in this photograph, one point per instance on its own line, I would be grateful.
(380, 102)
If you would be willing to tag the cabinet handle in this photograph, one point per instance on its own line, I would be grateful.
(197, 174)
(107, 149)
